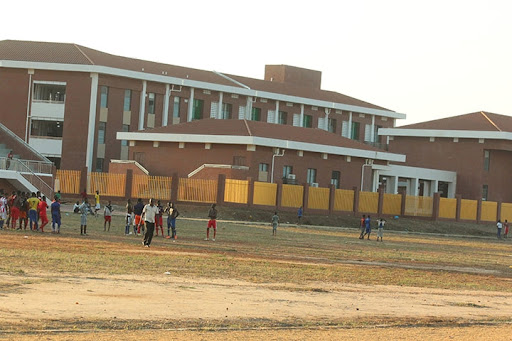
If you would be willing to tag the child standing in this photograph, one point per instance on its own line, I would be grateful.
(107, 214)
(505, 235)
(212, 223)
(55, 209)
(129, 217)
(380, 231)
(368, 227)
(42, 212)
(97, 207)
(172, 214)
(362, 225)
(84, 211)
(275, 222)
(158, 218)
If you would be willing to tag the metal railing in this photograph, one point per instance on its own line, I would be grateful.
(20, 167)
(21, 143)
(39, 167)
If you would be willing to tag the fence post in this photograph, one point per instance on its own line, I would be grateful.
(332, 198)
(221, 189)
(435, 206)
(498, 210)
(129, 184)
(403, 205)
(381, 201)
(459, 207)
(305, 198)
(83, 180)
(279, 195)
(356, 200)
(479, 211)
(250, 192)
(175, 182)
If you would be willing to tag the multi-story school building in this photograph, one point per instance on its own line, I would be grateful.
(81, 107)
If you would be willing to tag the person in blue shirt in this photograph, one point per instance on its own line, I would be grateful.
(368, 226)
(299, 215)
(55, 209)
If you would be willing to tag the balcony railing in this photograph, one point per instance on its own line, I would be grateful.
(25, 168)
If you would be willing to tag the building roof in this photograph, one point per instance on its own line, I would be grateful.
(68, 53)
(260, 133)
(477, 121)
(479, 125)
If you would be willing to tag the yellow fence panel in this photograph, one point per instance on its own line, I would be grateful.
(368, 202)
(392, 204)
(147, 187)
(264, 194)
(292, 196)
(418, 206)
(236, 191)
(67, 181)
(506, 212)
(489, 211)
(197, 190)
(318, 198)
(447, 208)
(468, 209)
(107, 184)
(344, 200)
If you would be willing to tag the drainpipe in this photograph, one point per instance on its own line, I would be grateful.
(272, 170)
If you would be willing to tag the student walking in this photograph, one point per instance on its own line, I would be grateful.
(172, 214)
(41, 208)
(300, 211)
(362, 225)
(149, 213)
(129, 218)
(368, 227)
(137, 209)
(85, 209)
(212, 223)
(505, 225)
(275, 223)
(107, 215)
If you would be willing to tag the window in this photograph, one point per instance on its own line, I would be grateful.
(256, 114)
(238, 160)
(46, 128)
(125, 129)
(287, 170)
(487, 160)
(52, 93)
(263, 167)
(127, 100)
(311, 176)
(176, 107)
(101, 132)
(335, 179)
(225, 113)
(355, 131)
(197, 109)
(99, 164)
(104, 97)
(151, 103)
(308, 121)
(485, 192)
(376, 134)
(281, 119)
(331, 125)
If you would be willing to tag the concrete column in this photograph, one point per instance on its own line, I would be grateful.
(301, 124)
(498, 211)
(248, 108)
(305, 198)
(219, 111)
(392, 184)
(175, 183)
(414, 187)
(372, 134)
(142, 108)
(221, 189)
(375, 184)
(479, 211)
(83, 180)
(356, 200)
(332, 197)
(381, 202)
(276, 118)
(426, 188)
(92, 121)
(128, 184)
(165, 112)
(458, 207)
(435, 206)
(279, 195)
(451, 190)
(403, 204)
(250, 192)
(434, 184)
(350, 124)
(190, 105)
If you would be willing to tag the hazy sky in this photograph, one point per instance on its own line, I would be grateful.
(426, 59)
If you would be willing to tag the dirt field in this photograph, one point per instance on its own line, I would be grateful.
(305, 286)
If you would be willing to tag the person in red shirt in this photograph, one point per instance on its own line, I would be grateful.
(41, 208)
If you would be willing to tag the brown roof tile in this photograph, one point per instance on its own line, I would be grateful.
(67, 53)
(477, 121)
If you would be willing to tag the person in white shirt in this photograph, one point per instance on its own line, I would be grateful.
(499, 225)
(148, 214)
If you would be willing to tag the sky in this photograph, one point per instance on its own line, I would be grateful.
(426, 59)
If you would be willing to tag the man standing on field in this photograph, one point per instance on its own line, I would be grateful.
(148, 214)
(212, 223)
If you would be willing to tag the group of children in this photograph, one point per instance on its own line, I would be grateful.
(28, 209)
(366, 227)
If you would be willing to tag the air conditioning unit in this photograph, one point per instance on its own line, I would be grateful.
(291, 176)
(314, 184)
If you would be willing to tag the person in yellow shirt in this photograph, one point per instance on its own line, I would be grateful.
(33, 202)
(98, 206)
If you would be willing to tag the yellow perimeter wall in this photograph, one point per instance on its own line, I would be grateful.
(108, 184)
(264, 194)
(368, 202)
(489, 211)
(344, 200)
(236, 191)
(468, 209)
(392, 204)
(447, 208)
(197, 190)
(418, 206)
(292, 196)
(318, 198)
(67, 181)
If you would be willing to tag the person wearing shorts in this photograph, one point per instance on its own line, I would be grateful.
(137, 209)
(85, 208)
(41, 208)
(33, 203)
(56, 218)
(380, 230)
(129, 217)
(159, 219)
(14, 212)
(275, 222)
(172, 214)
(212, 223)
(97, 207)
(107, 216)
